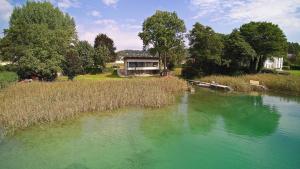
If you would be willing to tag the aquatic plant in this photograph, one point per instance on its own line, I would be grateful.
(282, 83)
(24, 105)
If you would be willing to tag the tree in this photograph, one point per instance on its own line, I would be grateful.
(237, 53)
(72, 64)
(294, 50)
(86, 54)
(162, 32)
(267, 39)
(102, 55)
(205, 49)
(103, 40)
(37, 39)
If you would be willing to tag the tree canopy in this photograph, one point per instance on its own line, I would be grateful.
(267, 39)
(205, 48)
(243, 51)
(102, 40)
(37, 39)
(162, 32)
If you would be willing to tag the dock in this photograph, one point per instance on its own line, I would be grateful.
(212, 85)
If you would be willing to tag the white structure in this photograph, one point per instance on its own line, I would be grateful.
(274, 63)
(141, 65)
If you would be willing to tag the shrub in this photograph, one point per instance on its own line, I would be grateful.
(295, 67)
(286, 67)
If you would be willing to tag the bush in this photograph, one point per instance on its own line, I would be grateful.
(189, 72)
(272, 71)
(286, 67)
(7, 78)
(295, 67)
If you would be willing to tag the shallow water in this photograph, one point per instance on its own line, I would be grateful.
(204, 130)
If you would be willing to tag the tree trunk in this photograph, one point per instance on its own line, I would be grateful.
(165, 64)
(261, 63)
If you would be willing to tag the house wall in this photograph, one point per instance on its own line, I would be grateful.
(142, 68)
(274, 63)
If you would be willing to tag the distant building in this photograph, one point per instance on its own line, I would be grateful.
(274, 63)
(141, 65)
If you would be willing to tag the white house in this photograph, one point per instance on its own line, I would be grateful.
(141, 65)
(274, 63)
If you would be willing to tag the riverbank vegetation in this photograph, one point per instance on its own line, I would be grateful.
(279, 83)
(28, 104)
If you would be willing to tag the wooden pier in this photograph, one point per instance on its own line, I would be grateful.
(212, 85)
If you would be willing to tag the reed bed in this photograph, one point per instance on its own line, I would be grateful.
(282, 83)
(24, 105)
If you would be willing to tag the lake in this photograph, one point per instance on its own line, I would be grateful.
(205, 130)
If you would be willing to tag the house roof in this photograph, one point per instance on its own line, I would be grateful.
(140, 57)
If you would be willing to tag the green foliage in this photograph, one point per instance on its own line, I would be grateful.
(243, 51)
(295, 67)
(266, 39)
(238, 53)
(294, 51)
(205, 49)
(102, 40)
(86, 54)
(102, 56)
(72, 64)
(37, 39)
(162, 32)
(7, 78)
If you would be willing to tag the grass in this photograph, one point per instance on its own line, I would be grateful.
(294, 72)
(281, 83)
(27, 104)
(94, 77)
(7, 78)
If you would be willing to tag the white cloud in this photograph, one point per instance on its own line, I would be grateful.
(125, 37)
(94, 13)
(285, 13)
(110, 2)
(106, 22)
(67, 3)
(5, 10)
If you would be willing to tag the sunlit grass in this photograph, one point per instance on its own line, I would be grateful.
(282, 83)
(294, 72)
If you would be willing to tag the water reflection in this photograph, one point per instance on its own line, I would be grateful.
(199, 114)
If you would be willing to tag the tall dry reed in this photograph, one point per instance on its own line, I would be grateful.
(283, 83)
(23, 105)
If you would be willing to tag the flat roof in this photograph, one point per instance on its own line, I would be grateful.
(141, 57)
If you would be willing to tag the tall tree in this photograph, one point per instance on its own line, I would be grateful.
(206, 49)
(267, 39)
(86, 54)
(72, 64)
(162, 32)
(237, 53)
(101, 57)
(37, 39)
(103, 40)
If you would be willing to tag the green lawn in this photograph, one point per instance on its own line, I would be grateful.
(100, 76)
(7, 78)
(295, 72)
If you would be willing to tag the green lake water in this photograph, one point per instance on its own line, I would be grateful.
(205, 130)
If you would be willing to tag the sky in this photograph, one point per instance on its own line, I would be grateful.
(122, 19)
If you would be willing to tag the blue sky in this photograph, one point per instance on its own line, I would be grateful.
(122, 19)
